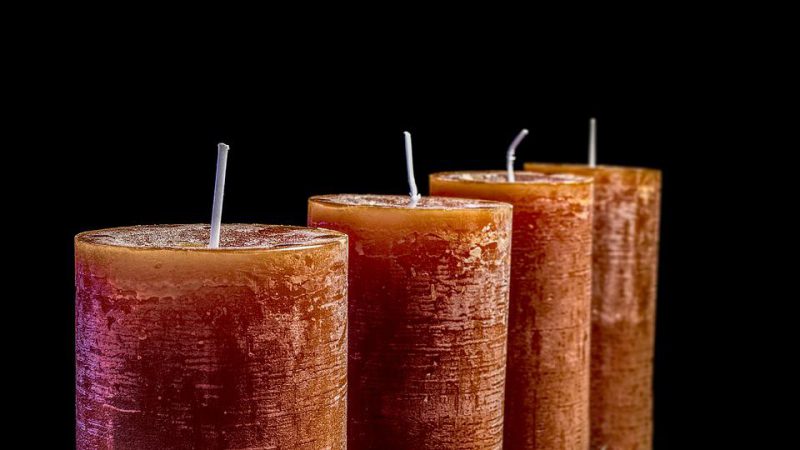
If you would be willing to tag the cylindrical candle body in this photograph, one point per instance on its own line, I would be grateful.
(627, 209)
(547, 387)
(428, 311)
(179, 346)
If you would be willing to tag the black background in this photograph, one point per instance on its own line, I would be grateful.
(120, 135)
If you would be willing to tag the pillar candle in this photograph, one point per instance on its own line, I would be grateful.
(428, 312)
(627, 205)
(183, 346)
(547, 387)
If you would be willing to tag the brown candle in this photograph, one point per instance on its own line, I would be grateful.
(547, 387)
(428, 313)
(626, 224)
(182, 346)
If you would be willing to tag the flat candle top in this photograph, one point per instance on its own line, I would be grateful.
(499, 176)
(195, 237)
(402, 202)
(584, 169)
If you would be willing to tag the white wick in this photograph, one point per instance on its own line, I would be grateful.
(219, 191)
(410, 168)
(511, 154)
(592, 142)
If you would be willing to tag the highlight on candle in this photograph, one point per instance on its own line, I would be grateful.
(219, 193)
(511, 154)
(412, 183)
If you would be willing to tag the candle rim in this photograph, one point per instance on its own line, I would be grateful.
(500, 177)
(590, 169)
(318, 237)
(402, 203)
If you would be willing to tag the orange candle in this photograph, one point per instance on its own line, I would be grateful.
(428, 313)
(183, 346)
(625, 264)
(547, 387)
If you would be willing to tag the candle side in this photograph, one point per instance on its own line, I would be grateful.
(625, 266)
(428, 310)
(242, 346)
(547, 386)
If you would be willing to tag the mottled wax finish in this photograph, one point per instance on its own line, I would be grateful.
(627, 210)
(428, 319)
(183, 347)
(547, 387)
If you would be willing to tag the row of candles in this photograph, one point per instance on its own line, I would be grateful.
(506, 310)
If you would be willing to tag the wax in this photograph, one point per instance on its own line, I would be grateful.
(627, 205)
(181, 346)
(428, 312)
(547, 386)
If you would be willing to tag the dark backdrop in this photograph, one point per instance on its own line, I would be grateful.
(131, 139)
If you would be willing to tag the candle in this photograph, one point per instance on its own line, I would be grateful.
(428, 318)
(180, 345)
(547, 386)
(627, 205)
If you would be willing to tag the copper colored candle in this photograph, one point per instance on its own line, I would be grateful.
(179, 346)
(626, 224)
(428, 313)
(547, 387)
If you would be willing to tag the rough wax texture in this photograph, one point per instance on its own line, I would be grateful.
(547, 388)
(183, 347)
(625, 264)
(428, 319)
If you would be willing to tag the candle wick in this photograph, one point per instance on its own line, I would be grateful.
(219, 192)
(511, 154)
(592, 142)
(410, 168)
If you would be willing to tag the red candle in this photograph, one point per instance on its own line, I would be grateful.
(627, 210)
(428, 318)
(183, 346)
(547, 389)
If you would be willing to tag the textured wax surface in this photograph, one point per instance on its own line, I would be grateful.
(401, 201)
(502, 177)
(626, 225)
(234, 235)
(189, 348)
(428, 313)
(547, 386)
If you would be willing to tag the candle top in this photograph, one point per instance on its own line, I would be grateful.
(583, 169)
(194, 237)
(501, 177)
(401, 202)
